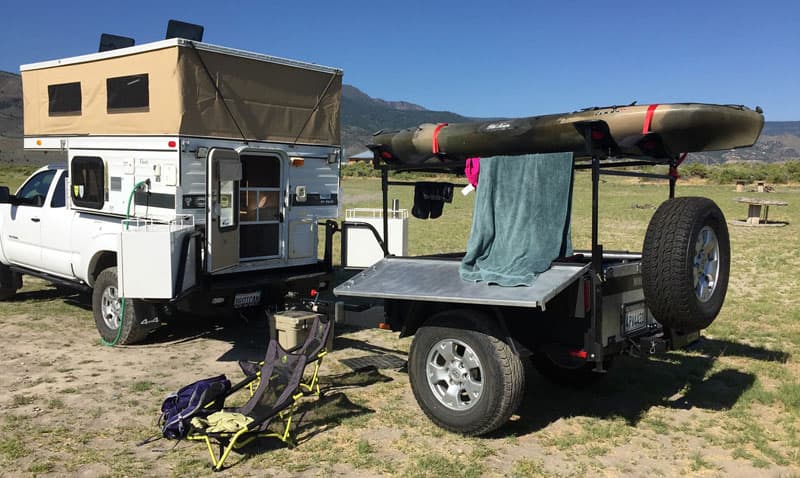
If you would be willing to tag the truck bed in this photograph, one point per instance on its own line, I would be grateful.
(437, 279)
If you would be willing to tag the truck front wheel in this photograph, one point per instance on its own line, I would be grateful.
(139, 317)
(464, 378)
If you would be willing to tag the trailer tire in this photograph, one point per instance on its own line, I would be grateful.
(557, 366)
(106, 307)
(686, 263)
(456, 351)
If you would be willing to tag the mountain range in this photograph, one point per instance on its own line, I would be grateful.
(363, 115)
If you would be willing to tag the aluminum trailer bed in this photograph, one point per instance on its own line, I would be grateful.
(435, 279)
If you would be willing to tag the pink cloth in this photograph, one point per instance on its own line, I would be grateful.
(472, 170)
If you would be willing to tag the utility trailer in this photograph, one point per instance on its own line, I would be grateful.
(195, 179)
(473, 341)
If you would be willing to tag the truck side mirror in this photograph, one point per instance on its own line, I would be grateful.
(5, 197)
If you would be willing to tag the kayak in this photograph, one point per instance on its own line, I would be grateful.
(661, 132)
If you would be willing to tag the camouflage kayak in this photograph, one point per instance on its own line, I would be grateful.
(658, 131)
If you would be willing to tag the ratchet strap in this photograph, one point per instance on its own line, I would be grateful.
(648, 118)
(435, 141)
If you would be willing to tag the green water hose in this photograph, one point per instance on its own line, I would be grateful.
(122, 299)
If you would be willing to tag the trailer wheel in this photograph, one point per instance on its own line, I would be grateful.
(685, 263)
(138, 321)
(464, 378)
(556, 365)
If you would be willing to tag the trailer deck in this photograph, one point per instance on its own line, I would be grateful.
(435, 279)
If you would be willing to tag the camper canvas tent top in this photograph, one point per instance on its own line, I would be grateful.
(180, 87)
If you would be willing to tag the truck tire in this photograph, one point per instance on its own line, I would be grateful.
(464, 378)
(685, 263)
(139, 319)
(556, 365)
(10, 282)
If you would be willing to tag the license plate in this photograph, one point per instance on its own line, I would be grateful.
(247, 299)
(635, 317)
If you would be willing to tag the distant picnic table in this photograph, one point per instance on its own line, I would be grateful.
(758, 212)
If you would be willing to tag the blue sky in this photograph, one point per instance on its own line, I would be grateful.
(488, 58)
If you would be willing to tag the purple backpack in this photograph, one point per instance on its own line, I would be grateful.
(198, 399)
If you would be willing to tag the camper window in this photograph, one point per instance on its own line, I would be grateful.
(64, 99)
(128, 92)
(88, 185)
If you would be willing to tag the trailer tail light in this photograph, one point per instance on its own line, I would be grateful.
(581, 354)
(172, 144)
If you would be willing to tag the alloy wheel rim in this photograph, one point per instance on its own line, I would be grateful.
(705, 270)
(110, 307)
(454, 374)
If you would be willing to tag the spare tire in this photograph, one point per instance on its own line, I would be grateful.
(686, 263)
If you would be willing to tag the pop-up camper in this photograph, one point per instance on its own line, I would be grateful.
(199, 172)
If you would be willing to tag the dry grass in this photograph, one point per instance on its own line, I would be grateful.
(730, 407)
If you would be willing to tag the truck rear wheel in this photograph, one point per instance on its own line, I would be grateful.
(685, 263)
(139, 318)
(464, 378)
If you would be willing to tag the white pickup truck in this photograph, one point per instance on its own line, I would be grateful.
(40, 236)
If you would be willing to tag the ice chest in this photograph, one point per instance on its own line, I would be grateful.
(292, 327)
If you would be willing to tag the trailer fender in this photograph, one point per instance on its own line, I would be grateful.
(408, 317)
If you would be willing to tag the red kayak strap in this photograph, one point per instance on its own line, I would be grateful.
(648, 118)
(435, 143)
(673, 170)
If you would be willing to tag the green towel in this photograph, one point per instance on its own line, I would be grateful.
(521, 219)
(222, 422)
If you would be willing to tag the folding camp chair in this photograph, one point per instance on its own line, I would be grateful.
(275, 399)
(313, 348)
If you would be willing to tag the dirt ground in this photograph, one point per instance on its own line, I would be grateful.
(73, 407)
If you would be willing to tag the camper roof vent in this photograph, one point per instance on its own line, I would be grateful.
(189, 31)
(113, 42)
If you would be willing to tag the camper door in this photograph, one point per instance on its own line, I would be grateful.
(222, 234)
(313, 195)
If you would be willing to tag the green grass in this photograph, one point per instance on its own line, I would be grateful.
(142, 386)
(528, 468)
